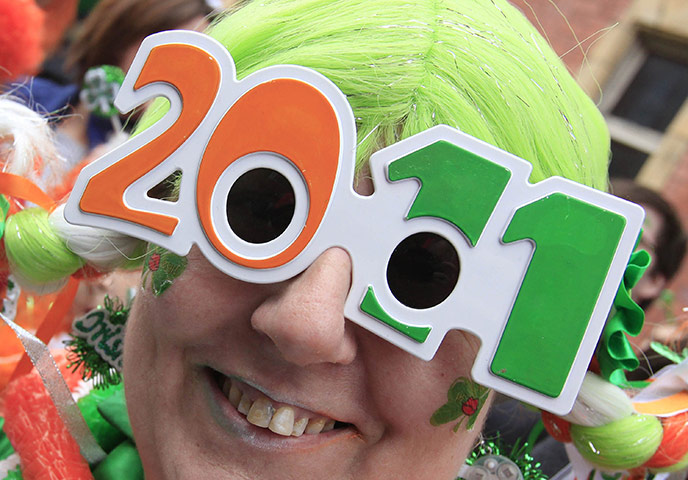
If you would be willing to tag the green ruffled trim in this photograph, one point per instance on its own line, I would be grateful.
(614, 352)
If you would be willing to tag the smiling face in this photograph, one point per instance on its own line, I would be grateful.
(227, 379)
(213, 361)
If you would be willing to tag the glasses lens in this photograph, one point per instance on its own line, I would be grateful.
(423, 270)
(260, 205)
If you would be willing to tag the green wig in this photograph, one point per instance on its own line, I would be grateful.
(405, 66)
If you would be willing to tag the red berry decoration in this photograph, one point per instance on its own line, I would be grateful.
(469, 406)
(154, 262)
(557, 427)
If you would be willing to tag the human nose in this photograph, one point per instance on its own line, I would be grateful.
(305, 319)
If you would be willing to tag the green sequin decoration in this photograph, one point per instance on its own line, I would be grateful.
(519, 454)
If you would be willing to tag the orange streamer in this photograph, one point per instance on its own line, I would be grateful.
(51, 323)
(20, 187)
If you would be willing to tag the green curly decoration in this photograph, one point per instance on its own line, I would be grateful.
(519, 454)
(614, 352)
(82, 353)
(668, 353)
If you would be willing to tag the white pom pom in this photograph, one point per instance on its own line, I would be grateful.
(104, 249)
(26, 139)
(598, 403)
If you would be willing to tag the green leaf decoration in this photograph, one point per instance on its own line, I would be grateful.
(459, 389)
(162, 267)
(82, 351)
(105, 412)
(448, 412)
(614, 353)
(122, 462)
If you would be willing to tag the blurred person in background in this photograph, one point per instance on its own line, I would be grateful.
(664, 238)
(109, 35)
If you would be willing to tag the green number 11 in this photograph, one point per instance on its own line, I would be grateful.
(574, 245)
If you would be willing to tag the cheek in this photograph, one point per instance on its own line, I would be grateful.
(410, 390)
(199, 306)
(407, 394)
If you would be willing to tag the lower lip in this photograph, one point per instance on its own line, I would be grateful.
(236, 425)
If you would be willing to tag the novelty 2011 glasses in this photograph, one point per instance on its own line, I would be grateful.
(453, 237)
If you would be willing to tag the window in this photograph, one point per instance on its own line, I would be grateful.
(642, 98)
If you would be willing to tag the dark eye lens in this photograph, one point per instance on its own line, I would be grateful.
(423, 270)
(260, 205)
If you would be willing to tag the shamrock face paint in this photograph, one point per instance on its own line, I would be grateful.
(465, 399)
(454, 236)
(101, 85)
(160, 269)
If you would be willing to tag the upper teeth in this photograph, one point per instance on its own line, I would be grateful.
(262, 413)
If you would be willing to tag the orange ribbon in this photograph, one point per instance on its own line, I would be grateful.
(51, 323)
(23, 188)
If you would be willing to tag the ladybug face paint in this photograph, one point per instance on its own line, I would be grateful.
(454, 236)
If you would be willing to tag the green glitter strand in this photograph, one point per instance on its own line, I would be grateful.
(81, 354)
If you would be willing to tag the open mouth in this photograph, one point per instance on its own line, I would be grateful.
(281, 418)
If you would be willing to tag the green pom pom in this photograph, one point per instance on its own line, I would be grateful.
(619, 445)
(37, 255)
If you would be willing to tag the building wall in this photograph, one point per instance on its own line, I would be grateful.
(595, 39)
(573, 26)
